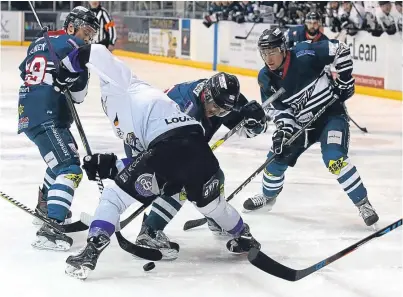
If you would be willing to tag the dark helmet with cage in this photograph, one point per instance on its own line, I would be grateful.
(81, 17)
(269, 40)
(223, 90)
(313, 21)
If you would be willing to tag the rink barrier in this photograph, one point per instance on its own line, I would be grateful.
(189, 43)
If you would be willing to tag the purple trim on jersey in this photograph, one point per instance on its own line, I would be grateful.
(75, 63)
(98, 226)
(126, 161)
(237, 229)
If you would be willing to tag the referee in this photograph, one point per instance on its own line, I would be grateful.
(107, 31)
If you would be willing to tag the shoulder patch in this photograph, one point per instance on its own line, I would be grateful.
(305, 52)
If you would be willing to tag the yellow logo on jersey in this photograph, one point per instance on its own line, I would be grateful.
(335, 166)
(182, 195)
(20, 109)
(75, 178)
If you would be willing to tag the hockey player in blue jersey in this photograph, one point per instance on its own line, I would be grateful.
(309, 32)
(300, 71)
(45, 118)
(211, 102)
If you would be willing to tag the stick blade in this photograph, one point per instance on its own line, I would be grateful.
(268, 265)
(194, 223)
(240, 37)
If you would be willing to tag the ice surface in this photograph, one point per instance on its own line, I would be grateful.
(312, 219)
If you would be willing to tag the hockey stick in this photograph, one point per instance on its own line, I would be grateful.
(67, 93)
(86, 218)
(199, 222)
(363, 129)
(68, 228)
(154, 255)
(247, 35)
(268, 265)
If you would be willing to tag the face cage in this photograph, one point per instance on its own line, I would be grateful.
(208, 98)
(80, 23)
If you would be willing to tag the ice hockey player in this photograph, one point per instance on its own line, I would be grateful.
(45, 118)
(309, 32)
(173, 146)
(301, 72)
(201, 99)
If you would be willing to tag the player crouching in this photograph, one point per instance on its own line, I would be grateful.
(173, 146)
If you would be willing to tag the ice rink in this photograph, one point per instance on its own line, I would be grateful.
(312, 219)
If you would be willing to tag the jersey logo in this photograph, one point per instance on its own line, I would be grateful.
(305, 52)
(198, 88)
(300, 101)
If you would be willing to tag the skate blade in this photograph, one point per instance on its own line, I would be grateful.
(78, 273)
(265, 208)
(375, 227)
(221, 233)
(42, 243)
(37, 222)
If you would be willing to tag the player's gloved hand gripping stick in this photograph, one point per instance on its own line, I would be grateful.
(199, 222)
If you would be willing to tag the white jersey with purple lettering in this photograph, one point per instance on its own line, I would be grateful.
(139, 113)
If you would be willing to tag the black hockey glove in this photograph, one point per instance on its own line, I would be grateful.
(253, 114)
(64, 79)
(344, 90)
(103, 164)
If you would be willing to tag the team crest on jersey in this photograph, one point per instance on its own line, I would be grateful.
(299, 102)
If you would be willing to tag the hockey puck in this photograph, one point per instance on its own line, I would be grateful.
(149, 266)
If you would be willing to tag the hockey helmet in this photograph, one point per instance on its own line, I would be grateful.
(223, 90)
(270, 40)
(80, 17)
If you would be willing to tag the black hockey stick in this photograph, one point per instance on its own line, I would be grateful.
(68, 228)
(268, 265)
(266, 106)
(363, 129)
(199, 222)
(66, 92)
(122, 241)
(247, 35)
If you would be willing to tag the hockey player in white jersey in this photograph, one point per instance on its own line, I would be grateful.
(175, 155)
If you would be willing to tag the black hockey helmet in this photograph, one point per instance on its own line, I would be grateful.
(222, 89)
(272, 38)
(312, 17)
(81, 16)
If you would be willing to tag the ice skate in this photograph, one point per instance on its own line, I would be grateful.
(259, 201)
(48, 238)
(215, 228)
(80, 265)
(243, 242)
(42, 210)
(367, 212)
(152, 239)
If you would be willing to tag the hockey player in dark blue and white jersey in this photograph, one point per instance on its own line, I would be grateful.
(309, 32)
(45, 118)
(300, 71)
(210, 102)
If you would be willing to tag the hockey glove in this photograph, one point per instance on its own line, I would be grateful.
(280, 137)
(253, 114)
(64, 79)
(103, 164)
(344, 90)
